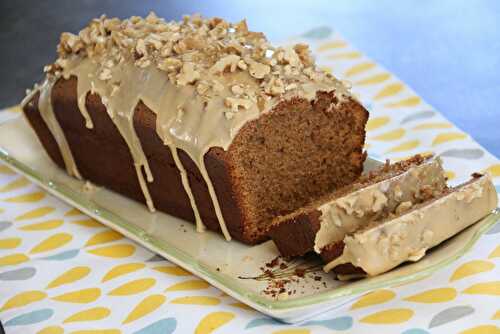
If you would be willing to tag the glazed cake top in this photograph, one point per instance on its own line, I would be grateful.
(199, 52)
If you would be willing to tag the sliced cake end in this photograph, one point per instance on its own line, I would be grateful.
(384, 244)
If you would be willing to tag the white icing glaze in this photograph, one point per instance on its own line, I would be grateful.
(346, 214)
(386, 244)
(48, 116)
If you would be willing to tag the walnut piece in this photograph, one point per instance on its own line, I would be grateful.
(222, 64)
(187, 75)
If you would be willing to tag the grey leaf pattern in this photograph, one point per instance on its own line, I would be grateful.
(318, 33)
(156, 258)
(450, 314)
(418, 116)
(472, 153)
(495, 229)
(18, 274)
(5, 225)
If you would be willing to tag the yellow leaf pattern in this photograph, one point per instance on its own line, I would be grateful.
(213, 321)
(486, 288)
(51, 330)
(495, 253)
(327, 69)
(35, 213)
(43, 226)
(88, 223)
(406, 146)
(439, 295)
(145, 307)
(376, 122)
(13, 259)
(359, 68)
(9, 243)
(6, 170)
(447, 137)
(51, 243)
(16, 184)
(121, 270)
(332, 45)
(83, 296)
(345, 55)
(494, 170)
(374, 298)
(483, 329)
(73, 212)
(450, 175)
(391, 135)
(98, 331)
(196, 300)
(242, 306)
(103, 237)
(116, 251)
(93, 314)
(189, 285)
(70, 276)
(171, 270)
(24, 298)
(471, 268)
(27, 198)
(389, 90)
(392, 316)
(408, 102)
(133, 287)
(373, 80)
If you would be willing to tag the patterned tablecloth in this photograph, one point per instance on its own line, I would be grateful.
(61, 272)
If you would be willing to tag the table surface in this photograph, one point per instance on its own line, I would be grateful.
(447, 50)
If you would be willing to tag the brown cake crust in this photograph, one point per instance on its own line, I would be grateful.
(103, 157)
(295, 237)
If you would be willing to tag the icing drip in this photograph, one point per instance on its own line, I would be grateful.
(179, 124)
(48, 116)
(83, 108)
(120, 106)
(185, 182)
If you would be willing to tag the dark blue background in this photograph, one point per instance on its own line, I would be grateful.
(447, 51)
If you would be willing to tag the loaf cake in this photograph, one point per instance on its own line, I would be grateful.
(390, 188)
(202, 119)
(383, 244)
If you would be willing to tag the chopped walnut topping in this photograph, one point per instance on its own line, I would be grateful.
(187, 75)
(290, 57)
(237, 90)
(202, 87)
(105, 74)
(140, 48)
(256, 69)
(196, 51)
(170, 64)
(304, 54)
(404, 206)
(237, 104)
(275, 87)
(230, 61)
